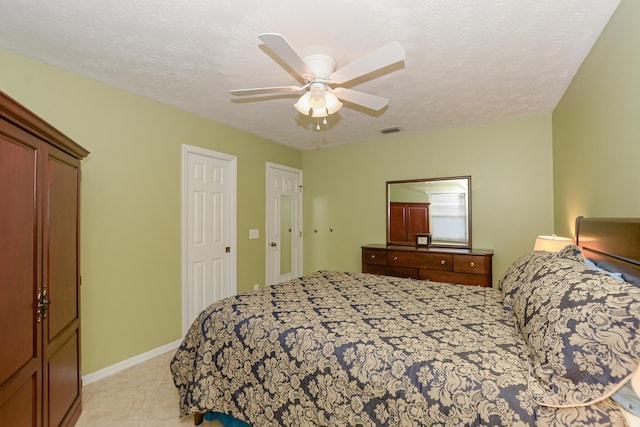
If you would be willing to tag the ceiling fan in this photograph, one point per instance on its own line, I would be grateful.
(322, 82)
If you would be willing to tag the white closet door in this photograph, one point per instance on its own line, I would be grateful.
(209, 230)
(284, 223)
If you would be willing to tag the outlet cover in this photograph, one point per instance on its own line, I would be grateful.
(254, 233)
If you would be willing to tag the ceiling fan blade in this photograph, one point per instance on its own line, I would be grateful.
(372, 102)
(263, 90)
(379, 58)
(281, 47)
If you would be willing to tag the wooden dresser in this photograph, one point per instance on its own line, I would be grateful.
(463, 266)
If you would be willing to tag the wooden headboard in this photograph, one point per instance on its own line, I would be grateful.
(612, 243)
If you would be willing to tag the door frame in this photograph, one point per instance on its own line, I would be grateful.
(296, 268)
(232, 226)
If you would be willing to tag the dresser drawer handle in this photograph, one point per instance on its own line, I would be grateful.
(443, 262)
(395, 258)
(472, 264)
(373, 257)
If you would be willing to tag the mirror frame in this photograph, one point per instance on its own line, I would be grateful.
(466, 245)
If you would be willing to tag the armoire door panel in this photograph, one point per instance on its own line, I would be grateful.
(397, 224)
(63, 380)
(61, 351)
(417, 220)
(18, 255)
(20, 409)
(62, 246)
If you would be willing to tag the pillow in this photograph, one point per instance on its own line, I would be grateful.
(570, 252)
(582, 329)
(594, 266)
(520, 271)
(606, 267)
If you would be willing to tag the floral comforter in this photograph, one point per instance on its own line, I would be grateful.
(350, 349)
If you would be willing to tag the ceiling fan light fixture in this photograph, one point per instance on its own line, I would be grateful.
(303, 104)
(319, 112)
(332, 103)
(317, 100)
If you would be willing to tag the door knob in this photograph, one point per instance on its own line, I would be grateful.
(273, 244)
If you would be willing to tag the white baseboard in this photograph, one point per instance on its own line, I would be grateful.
(132, 361)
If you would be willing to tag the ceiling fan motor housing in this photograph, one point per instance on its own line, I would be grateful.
(321, 65)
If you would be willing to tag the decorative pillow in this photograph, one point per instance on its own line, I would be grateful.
(582, 328)
(520, 271)
(594, 266)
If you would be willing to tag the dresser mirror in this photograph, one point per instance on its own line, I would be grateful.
(433, 210)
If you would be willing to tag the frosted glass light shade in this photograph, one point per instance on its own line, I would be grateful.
(551, 243)
(333, 104)
(317, 99)
(318, 102)
(319, 112)
(303, 104)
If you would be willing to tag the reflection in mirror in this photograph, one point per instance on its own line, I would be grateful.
(438, 207)
(285, 234)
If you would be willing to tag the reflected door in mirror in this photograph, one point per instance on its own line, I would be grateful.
(407, 220)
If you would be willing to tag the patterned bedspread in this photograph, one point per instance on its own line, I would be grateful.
(350, 349)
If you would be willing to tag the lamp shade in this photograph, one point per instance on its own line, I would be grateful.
(551, 243)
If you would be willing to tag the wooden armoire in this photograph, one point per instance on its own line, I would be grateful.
(405, 220)
(40, 382)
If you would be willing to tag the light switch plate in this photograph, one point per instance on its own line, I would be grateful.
(254, 233)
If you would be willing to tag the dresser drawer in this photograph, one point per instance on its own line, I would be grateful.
(459, 278)
(374, 256)
(474, 264)
(410, 273)
(384, 270)
(441, 262)
(404, 259)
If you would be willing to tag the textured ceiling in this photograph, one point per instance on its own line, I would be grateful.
(467, 61)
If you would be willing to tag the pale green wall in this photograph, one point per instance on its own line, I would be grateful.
(596, 128)
(509, 162)
(131, 183)
(131, 291)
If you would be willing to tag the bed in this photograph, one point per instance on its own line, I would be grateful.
(548, 348)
